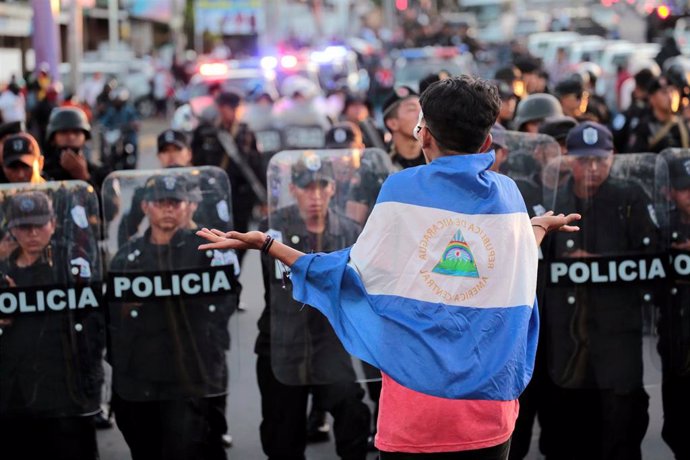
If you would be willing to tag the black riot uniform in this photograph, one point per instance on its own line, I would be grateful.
(528, 173)
(283, 406)
(207, 150)
(674, 349)
(50, 362)
(594, 333)
(169, 351)
(651, 135)
(674, 328)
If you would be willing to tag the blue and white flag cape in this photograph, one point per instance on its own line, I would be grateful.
(439, 290)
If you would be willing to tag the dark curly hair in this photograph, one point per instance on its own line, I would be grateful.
(460, 111)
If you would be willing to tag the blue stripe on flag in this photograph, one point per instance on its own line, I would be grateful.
(439, 184)
(446, 351)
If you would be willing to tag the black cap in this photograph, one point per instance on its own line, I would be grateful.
(679, 171)
(29, 208)
(340, 136)
(398, 95)
(558, 127)
(20, 147)
(171, 136)
(229, 98)
(162, 187)
(13, 127)
(312, 168)
(590, 139)
(569, 86)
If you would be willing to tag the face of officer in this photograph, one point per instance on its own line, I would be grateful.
(18, 171)
(227, 114)
(682, 199)
(571, 104)
(405, 117)
(313, 200)
(166, 215)
(33, 239)
(173, 155)
(664, 99)
(507, 108)
(356, 113)
(73, 138)
(589, 172)
(501, 156)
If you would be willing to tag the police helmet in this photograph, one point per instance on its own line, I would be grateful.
(537, 107)
(67, 118)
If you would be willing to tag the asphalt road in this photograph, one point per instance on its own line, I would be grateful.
(243, 412)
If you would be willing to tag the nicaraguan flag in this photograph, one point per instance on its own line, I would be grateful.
(439, 290)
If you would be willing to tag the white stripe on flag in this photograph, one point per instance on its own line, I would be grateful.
(401, 253)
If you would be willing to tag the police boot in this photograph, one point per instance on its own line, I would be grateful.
(317, 427)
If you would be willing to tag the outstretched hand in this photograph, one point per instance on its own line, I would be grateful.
(551, 222)
(230, 240)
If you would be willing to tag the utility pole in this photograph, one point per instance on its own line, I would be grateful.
(113, 24)
(75, 43)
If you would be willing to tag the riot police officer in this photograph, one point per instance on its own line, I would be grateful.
(662, 127)
(7, 129)
(174, 152)
(231, 145)
(21, 154)
(66, 159)
(169, 346)
(593, 332)
(51, 344)
(674, 328)
(298, 352)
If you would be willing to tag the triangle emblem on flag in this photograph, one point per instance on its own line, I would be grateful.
(457, 259)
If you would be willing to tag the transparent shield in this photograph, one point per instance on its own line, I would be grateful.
(269, 141)
(303, 137)
(533, 161)
(318, 201)
(673, 211)
(604, 281)
(169, 303)
(52, 321)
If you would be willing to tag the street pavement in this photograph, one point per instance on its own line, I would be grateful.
(243, 412)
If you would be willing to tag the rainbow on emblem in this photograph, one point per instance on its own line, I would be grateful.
(457, 259)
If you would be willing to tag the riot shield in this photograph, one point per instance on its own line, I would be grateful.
(533, 161)
(269, 141)
(308, 212)
(169, 304)
(673, 213)
(52, 328)
(303, 137)
(603, 281)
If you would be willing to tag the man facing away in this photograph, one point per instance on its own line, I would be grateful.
(438, 291)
